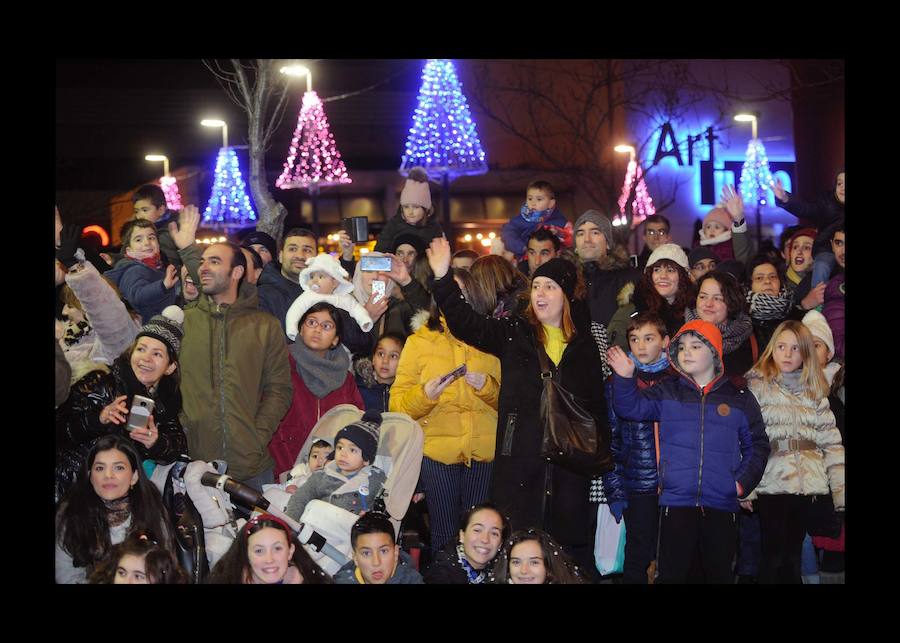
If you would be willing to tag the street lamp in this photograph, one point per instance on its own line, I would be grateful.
(622, 149)
(298, 70)
(157, 158)
(215, 122)
(747, 118)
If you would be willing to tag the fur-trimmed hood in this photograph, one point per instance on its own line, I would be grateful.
(365, 370)
(419, 319)
(616, 259)
(625, 295)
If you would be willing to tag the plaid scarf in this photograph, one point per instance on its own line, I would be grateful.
(766, 307)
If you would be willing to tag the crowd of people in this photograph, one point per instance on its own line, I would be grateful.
(709, 380)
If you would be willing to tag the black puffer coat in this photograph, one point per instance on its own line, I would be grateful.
(604, 281)
(78, 420)
(530, 490)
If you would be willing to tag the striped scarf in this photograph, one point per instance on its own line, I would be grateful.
(767, 307)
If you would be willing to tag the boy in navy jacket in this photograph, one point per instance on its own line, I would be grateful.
(713, 450)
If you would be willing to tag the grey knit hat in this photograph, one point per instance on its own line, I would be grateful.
(601, 221)
(364, 434)
(167, 328)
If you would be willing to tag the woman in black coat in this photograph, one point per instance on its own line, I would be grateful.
(99, 402)
(528, 488)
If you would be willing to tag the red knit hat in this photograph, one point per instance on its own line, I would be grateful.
(802, 232)
(711, 335)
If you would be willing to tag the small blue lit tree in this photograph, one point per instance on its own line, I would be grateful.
(229, 206)
(756, 179)
(443, 138)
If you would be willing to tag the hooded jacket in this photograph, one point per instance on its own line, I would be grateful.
(235, 381)
(710, 438)
(375, 395)
(142, 287)
(604, 281)
(789, 416)
(461, 425)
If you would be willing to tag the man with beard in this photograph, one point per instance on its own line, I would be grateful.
(235, 375)
(280, 286)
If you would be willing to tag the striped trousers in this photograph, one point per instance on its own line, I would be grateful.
(451, 489)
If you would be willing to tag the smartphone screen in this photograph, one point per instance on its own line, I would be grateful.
(372, 264)
(378, 289)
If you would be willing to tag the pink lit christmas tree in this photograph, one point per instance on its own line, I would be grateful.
(313, 159)
(642, 206)
(170, 189)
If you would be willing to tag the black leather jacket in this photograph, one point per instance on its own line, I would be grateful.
(78, 419)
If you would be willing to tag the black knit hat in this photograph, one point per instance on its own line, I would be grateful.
(262, 239)
(167, 328)
(413, 240)
(364, 434)
(699, 254)
(563, 272)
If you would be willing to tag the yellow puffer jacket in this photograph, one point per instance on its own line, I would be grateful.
(461, 425)
(796, 417)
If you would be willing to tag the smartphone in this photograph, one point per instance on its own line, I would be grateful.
(141, 408)
(357, 228)
(378, 288)
(633, 260)
(375, 264)
(458, 372)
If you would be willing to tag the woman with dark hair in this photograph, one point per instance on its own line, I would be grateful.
(111, 498)
(768, 299)
(99, 402)
(458, 415)
(665, 289)
(266, 553)
(321, 378)
(534, 558)
(555, 327)
(469, 559)
(139, 560)
(720, 301)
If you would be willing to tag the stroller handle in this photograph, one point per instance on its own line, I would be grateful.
(239, 492)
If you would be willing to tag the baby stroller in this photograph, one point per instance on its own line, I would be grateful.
(399, 455)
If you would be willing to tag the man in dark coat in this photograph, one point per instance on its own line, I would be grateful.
(279, 286)
(604, 264)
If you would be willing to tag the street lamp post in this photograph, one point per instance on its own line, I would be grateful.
(752, 119)
(157, 158)
(215, 122)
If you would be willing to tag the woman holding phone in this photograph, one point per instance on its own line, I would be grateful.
(451, 389)
(100, 403)
(527, 486)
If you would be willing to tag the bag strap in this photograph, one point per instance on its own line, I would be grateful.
(656, 440)
(754, 346)
(544, 361)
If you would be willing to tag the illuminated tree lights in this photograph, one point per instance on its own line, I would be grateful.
(229, 204)
(443, 136)
(756, 179)
(313, 158)
(170, 189)
(642, 206)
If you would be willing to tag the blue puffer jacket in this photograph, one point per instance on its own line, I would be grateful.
(142, 287)
(710, 438)
(633, 447)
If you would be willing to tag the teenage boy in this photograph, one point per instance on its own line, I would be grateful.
(632, 487)
(713, 450)
(377, 558)
(656, 233)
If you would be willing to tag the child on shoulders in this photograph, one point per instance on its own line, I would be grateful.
(538, 211)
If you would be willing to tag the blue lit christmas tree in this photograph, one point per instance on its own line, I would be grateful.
(229, 206)
(443, 138)
(756, 179)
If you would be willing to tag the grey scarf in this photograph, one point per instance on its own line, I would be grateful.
(322, 375)
(791, 381)
(734, 332)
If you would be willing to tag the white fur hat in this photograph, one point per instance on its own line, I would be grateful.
(670, 251)
(331, 266)
(818, 326)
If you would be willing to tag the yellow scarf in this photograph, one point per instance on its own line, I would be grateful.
(556, 343)
(794, 276)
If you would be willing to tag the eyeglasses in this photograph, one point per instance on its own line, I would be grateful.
(656, 233)
(312, 322)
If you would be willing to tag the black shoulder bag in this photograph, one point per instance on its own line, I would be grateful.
(572, 438)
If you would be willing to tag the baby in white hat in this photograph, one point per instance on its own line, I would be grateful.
(324, 279)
